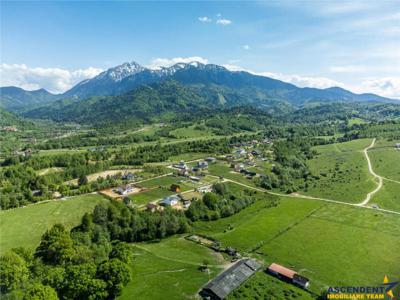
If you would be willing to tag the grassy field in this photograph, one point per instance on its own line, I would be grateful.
(165, 181)
(46, 171)
(191, 131)
(160, 188)
(385, 159)
(23, 227)
(343, 172)
(60, 151)
(146, 197)
(329, 243)
(170, 270)
(224, 170)
(388, 196)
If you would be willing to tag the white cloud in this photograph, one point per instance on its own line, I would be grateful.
(246, 47)
(362, 68)
(387, 86)
(167, 62)
(224, 22)
(204, 19)
(55, 80)
(298, 80)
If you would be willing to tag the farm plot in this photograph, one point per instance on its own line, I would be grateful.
(342, 172)
(150, 195)
(23, 227)
(170, 270)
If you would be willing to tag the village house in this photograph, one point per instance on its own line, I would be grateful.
(186, 203)
(288, 275)
(202, 165)
(222, 285)
(170, 201)
(125, 189)
(238, 167)
(183, 172)
(175, 188)
(128, 176)
(181, 165)
(240, 152)
(194, 178)
(210, 159)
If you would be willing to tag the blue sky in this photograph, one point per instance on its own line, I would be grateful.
(347, 43)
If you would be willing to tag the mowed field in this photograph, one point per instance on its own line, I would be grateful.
(170, 270)
(265, 286)
(23, 227)
(343, 172)
(332, 244)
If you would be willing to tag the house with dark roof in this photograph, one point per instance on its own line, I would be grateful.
(288, 275)
(222, 285)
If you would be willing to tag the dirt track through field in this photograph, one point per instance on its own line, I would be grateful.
(371, 171)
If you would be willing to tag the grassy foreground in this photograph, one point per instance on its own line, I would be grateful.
(329, 243)
(170, 270)
(23, 227)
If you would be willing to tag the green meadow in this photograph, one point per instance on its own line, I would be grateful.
(332, 244)
(264, 286)
(24, 226)
(388, 196)
(342, 170)
(191, 132)
(151, 195)
(170, 270)
(385, 159)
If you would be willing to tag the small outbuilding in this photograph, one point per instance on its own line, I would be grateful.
(288, 275)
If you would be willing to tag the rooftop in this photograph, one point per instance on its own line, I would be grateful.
(282, 270)
(232, 278)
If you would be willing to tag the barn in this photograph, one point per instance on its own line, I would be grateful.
(222, 285)
(288, 275)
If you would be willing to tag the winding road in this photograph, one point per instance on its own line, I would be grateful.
(371, 170)
(363, 204)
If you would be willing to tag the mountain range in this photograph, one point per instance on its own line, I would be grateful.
(132, 90)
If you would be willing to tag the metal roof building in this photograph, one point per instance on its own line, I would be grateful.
(227, 281)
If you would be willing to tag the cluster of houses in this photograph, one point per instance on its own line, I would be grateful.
(177, 200)
(222, 285)
(194, 172)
